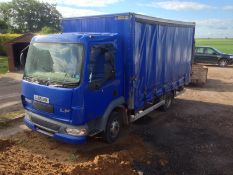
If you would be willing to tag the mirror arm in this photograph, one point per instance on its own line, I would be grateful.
(22, 59)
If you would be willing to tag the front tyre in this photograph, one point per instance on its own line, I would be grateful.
(113, 127)
(222, 63)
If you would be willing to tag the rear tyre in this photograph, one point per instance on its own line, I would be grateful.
(113, 127)
(222, 63)
(168, 102)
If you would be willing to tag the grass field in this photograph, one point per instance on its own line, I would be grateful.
(3, 64)
(224, 45)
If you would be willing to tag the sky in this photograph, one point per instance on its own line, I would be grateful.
(214, 18)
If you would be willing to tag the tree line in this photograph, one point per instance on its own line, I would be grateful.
(23, 16)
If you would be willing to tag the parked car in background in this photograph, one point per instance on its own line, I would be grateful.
(211, 55)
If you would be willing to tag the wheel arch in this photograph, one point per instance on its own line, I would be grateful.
(115, 105)
(223, 58)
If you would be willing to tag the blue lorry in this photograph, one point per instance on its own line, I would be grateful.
(104, 72)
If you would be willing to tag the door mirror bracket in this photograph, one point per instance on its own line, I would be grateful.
(22, 59)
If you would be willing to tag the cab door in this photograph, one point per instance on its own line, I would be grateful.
(103, 84)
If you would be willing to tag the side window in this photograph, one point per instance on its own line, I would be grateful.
(209, 51)
(200, 50)
(101, 67)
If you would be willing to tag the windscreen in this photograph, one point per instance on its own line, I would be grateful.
(218, 51)
(54, 63)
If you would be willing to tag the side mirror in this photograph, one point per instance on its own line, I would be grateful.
(22, 59)
(23, 56)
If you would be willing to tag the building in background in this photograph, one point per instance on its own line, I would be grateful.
(14, 48)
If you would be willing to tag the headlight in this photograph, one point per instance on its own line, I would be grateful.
(76, 132)
(231, 56)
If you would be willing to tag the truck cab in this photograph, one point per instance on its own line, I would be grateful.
(70, 84)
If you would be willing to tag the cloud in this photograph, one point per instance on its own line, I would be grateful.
(228, 7)
(215, 23)
(74, 8)
(74, 12)
(83, 3)
(214, 28)
(178, 5)
(79, 3)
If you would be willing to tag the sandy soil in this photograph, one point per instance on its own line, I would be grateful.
(194, 137)
(31, 153)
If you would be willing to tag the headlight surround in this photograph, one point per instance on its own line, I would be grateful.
(28, 100)
(231, 56)
(76, 132)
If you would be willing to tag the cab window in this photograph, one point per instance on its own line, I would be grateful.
(101, 66)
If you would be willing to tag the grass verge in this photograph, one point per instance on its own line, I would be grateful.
(3, 65)
(5, 118)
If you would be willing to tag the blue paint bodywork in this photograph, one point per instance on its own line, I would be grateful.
(157, 54)
(81, 111)
(151, 58)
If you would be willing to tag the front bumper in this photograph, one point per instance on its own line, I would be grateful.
(53, 128)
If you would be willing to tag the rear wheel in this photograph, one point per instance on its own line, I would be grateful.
(168, 102)
(113, 127)
(222, 63)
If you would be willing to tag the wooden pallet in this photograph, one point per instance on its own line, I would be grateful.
(199, 74)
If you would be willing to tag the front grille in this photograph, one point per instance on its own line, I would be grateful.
(43, 107)
(45, 124)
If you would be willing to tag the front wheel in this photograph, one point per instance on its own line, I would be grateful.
(222, 63)
(113, 127)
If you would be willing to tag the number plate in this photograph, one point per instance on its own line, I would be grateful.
(41, 99)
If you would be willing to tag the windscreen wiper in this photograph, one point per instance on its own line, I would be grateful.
(30, 79)
(70, 84)
(36, 80)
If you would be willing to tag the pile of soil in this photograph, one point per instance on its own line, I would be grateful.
(5, 144)
(32, 153)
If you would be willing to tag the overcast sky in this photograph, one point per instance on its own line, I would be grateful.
(214, 18)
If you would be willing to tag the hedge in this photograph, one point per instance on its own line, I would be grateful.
(5, 38)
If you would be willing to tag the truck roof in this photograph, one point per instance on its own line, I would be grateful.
(140, 18)
(74, 37)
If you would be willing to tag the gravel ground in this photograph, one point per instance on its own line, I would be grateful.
(194, 137)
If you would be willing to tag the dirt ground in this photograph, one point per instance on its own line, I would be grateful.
(195, 137)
